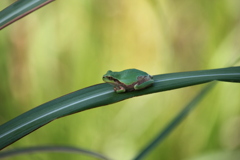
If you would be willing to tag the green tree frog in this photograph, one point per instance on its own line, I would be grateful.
(128, 80)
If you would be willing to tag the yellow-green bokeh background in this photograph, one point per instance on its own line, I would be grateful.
(69, 45)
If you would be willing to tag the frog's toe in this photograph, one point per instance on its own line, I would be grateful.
(119, 89)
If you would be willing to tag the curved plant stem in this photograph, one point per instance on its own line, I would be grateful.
(61, 149)
(103, 94)
(19, 9)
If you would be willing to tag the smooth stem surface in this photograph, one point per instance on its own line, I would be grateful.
(103, 94)
(19, 9)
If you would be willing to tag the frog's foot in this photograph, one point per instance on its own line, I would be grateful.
(143, 85)
(119, 89)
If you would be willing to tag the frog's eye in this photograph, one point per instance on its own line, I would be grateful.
(110, 78)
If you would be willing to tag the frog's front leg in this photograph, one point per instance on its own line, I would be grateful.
(143, 85)
(119, 89)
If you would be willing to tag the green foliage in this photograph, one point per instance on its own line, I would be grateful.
(63, 47)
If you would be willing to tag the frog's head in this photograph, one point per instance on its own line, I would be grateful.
(110, 77)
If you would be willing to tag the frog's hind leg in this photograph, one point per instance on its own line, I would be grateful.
(143, 85)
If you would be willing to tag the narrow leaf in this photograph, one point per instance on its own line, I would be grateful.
(19, 9)
(60, 149)
(173, 124)
(103, 94)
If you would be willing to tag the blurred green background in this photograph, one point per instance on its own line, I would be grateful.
(69, 45)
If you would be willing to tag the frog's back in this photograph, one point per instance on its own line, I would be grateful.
(130, 75)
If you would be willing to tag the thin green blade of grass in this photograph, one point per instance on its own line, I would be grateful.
(60, 149)
(19, 9)
(175, 122)
(103, 94)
